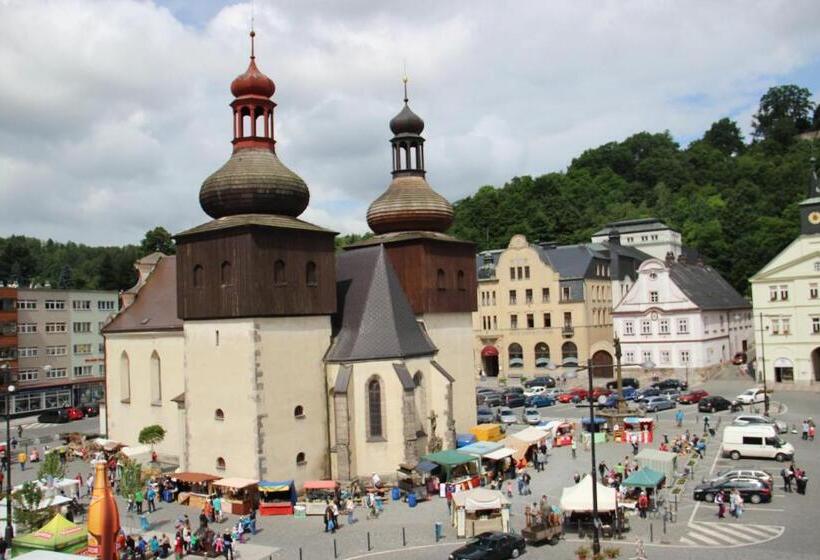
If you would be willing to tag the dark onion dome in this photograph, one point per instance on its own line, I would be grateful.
(252, 82)
(254, 181)
(409, 204)
(406, 122)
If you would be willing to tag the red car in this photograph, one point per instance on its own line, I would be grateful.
(572, 394)
(74, 413)
(692, 397)
(598, 392)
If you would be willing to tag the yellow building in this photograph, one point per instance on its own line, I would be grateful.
(542, 304)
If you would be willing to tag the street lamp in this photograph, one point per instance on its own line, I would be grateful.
(9, 390)
(763, 368)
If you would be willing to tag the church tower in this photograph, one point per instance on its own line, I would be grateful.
(436, 270)
(810, 208)
(256, 287)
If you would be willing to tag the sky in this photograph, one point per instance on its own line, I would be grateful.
(112, 113)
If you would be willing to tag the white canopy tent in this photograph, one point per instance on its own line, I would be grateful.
(530, 435)
(499, 454)
(579, 497)
(478, 510)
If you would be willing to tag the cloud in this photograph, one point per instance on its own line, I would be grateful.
(112, 113)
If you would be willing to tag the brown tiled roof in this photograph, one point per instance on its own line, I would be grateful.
(263, 220)
(155, 306)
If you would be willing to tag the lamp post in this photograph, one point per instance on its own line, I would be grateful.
(763, 368)
(9, 535)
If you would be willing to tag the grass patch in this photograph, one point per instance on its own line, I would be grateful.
(681, 481)
(677, 490)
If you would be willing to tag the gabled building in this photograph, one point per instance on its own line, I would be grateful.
(684, 317)
(650, 235)
(786, 296)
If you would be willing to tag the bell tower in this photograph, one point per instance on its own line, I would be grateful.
(810, 208)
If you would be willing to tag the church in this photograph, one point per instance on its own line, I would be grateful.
(267, 354)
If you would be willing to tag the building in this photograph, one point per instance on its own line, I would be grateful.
(787, 304)
(683, 317)
(61, 354)
(650, 235)
(8, 331)
(329, 365)
(542, 305)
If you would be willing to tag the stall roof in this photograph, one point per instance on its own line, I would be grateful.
(426, 466)
(662, 461)
(500, 453)
(645, 478)
(636, 420)
(449, 458)
(321, 485)
(579, 497)
(236, 483)
(275, 485)
(480, 499)
(530, 435)
(194, 477)
(480, 448)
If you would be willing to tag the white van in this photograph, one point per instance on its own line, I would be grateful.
(755, 440)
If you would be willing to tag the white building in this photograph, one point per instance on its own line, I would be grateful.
(787, 306)
(683, 317)
(650, 235)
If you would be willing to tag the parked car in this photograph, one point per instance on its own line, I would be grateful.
(732, 474)
(751, 489)
(755, 440)
(751, 396)
(671, 394)
(91, 409)
(532, 416)
(491, 546)
(534, 390)
(514, 399)
(554, 393)
(713, 403)
(506, 415)
(484, 415)
(75, 413)
(540, 400)
(54, 416)
(598, 392)
(740, 358)
(654, 404)
(671, 384)
(625, 382)
(746, 419)
(573, 394)
(541, 381)
(493, 398)
(692, 397)
(644, 394)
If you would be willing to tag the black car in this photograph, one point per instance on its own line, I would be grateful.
(625, 382)
(491, 546)
(492, 398)
(514, 399)
(751, 489)
(541, 381)
(56, 416)
(90, 409)
(671, 384)
(713, 403)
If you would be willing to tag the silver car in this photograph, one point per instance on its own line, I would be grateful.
(654, 404)
(532, 416)
(746, 419)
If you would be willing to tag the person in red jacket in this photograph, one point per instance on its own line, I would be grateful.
(643, 504)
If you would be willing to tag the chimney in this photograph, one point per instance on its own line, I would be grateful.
(614, 237)
(670, 258)
(682, 258)
(145, 266)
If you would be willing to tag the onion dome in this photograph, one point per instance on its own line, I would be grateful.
(409, 204)
(252, 82)
(406, 122)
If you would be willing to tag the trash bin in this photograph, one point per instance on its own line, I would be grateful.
(411, 499)
(439, 530)
(395, 494)
(801, 484)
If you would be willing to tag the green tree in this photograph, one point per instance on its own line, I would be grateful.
(26, 507)
(725, 136)
(784, 111)
(157, 239)
(130, 477)
(151, 435)
(51, 466)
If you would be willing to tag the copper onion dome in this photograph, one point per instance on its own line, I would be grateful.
(406, 122)
(253, 180)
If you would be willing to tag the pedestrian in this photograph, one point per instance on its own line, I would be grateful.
(643, 504)
(812, 429)
(217, 503)
(448, 495)
(602, 469)
(89, 483)
(153, 545)
(520, 480)
(705, 425)
(576, 477)
(738, 505)
(350, 508)
(219, 547)
(138, 499)
(20, 431)
(786, 473)
(574, 448)
(679, 418)
(329, 528)
(252, 518)
(227, 543)
(3, 547)
(21, 458)
(151, 496)
(509, 489)
(526, 477)
(720, 500)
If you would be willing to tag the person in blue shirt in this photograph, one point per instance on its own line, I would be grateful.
(154, 545)
(151, 496)
(679, 418)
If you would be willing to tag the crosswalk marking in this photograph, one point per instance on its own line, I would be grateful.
(729, 534)
(703, 538)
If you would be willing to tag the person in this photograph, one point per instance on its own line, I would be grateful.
(526, 478)
(219, 546)
(805, 429)
(448, 495)
(679, 418)
(21, 458)
(509, 489)
(20, 431)
(812, 429)
(3, 547)
(705, 426)
(602, 469)
(154, 546)
(329, 528)
(574, 448)
(800, 478)
(643, 504)
(786, 473)
(350, 508)
(720, 500)
(227, 544)
(151, 496)
(218, 509)
(738, 504)
(540, 460)
(520, 480)
(164, 546)
(138, 499)
(576, 477)
(252, 518)
(376, 480)
(141, 546)
(700, 448)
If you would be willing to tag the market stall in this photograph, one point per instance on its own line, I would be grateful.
(457, 468)
(194, 488)
(640, 428)
(239, 495)
(495, 464)
(465, 439)
(647, 479)
(479, 510)
(525, 441)
(662, 461)
(69, 487)
(59, 534)
(318, 493)
(276, 498)
(598, 429)
(416, 480)
(576, 501)
(564, 432)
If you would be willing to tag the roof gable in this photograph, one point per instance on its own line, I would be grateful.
(155, 305)
(705, 287)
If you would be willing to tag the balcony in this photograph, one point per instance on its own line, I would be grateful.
(568, 331)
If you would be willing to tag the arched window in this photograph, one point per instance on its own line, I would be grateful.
(440, 279)
(569, 353)
(299, 411)
(516, 355)
(375, 424)
(542, 355)
(225, 274)
(220, 464)
(279, 273)
(460, 280)
(300, 458)
(310, 274)
(156, 379)
(219, 414)
(197, 276)
(125, 378)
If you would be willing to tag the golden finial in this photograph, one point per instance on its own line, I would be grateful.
(404, 80)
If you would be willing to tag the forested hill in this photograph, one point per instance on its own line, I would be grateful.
(736, 203)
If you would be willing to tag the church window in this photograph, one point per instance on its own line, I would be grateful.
(220, 464)
(310, 274)
(300, 458)
(375, 424)
(197, 276)
(225, 273)
(219, 414)
(125, 378)
(299, 411)
(440, 279)
(279, 273)
(156, 379)
(460, 280)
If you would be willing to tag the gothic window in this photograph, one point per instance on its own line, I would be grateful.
(310, 274)
(440, 279)
(225, 273)
(460, 280)
(125, 378)
(156, 379)
(198, 276)
(375, 424)
(279, 273)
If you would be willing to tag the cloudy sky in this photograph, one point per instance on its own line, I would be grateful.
(113, 112)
